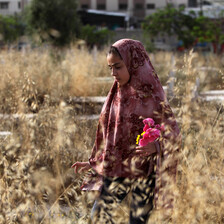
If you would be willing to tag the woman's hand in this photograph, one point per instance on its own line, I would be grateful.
(81, 166)
(147, 150)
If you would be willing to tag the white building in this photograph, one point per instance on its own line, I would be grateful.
(138, 8)
(11, 7)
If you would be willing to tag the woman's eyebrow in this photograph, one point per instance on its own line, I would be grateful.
(117, 63)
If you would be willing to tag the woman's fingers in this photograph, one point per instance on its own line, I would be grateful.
(76, 169)
(73, 165)
(142, 153)
(150, 148)
(76, 166)
(80, 166)
(82, 169)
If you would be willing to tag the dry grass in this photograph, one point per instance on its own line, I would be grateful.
(35, 77)
(36, 182)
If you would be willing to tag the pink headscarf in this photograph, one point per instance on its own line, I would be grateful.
(121, 118)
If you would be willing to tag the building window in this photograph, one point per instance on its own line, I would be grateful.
(19, 5)
(138, 6)
(150, 6)
(84, 6)
(101, 6)
(192, 3)
(123, 6)
(206, 3)
(4, 5)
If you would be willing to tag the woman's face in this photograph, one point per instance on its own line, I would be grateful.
(118, 69)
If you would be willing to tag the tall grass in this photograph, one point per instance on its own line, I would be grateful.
(37, 184)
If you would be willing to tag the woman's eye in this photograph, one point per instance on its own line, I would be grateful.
(117, 67)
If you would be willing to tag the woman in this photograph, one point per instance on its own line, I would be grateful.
(121, 167)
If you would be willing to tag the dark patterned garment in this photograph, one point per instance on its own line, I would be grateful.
(115, 191)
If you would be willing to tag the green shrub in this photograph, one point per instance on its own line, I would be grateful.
(94, 36)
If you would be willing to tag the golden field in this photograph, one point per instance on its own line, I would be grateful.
(37, 184)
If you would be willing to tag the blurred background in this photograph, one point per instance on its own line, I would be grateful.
(160, 24)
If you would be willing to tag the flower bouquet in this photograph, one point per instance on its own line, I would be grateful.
(151, 132)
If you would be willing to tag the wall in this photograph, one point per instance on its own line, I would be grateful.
(13, 6)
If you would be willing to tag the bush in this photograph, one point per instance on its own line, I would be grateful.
(11, 28)
(94, 36)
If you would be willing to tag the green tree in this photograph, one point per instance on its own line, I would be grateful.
(11, 28)
(54, 21)
(210, 30)
(94, 36)
(170, 21)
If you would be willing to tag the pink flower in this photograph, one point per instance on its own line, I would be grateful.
(162, 127)
(150, 135)
(143, 142)
(149, 122)
(151, 132)
(157, 126)
(145, 128)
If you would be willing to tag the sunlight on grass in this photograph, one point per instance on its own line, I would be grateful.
(37, 184)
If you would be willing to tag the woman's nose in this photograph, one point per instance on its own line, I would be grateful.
(113, 72)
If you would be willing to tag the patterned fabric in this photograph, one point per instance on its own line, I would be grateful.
(121, 120)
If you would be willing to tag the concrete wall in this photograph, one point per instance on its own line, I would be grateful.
(93, 4)
(112, 5)
(13, 6)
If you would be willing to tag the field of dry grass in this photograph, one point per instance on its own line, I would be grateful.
(37, 184)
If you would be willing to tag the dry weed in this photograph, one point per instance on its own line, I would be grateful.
(36, 182)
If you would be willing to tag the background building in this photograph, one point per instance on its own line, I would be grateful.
(133, 8)
(12, 7)
(139, 8)
(132, 12)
